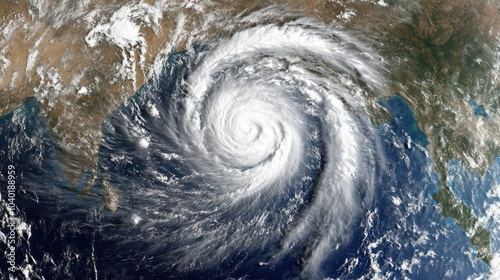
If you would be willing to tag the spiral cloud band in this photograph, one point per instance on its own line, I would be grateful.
(256, 143)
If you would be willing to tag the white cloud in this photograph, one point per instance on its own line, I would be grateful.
(495, 267)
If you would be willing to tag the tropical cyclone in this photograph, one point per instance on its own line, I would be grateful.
(260, 131)
(84, 59)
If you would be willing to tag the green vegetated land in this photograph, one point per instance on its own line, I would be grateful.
(441, 54)
(444, 58)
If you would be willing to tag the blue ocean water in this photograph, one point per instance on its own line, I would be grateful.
(402, 234)
(479, 110)
(56, 244)
(410, 228)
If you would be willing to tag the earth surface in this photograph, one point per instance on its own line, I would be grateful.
(250, 139)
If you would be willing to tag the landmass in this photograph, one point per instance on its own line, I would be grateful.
(84, 59)
(443, 55)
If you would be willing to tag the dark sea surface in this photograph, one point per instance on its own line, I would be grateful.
(401, 234)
